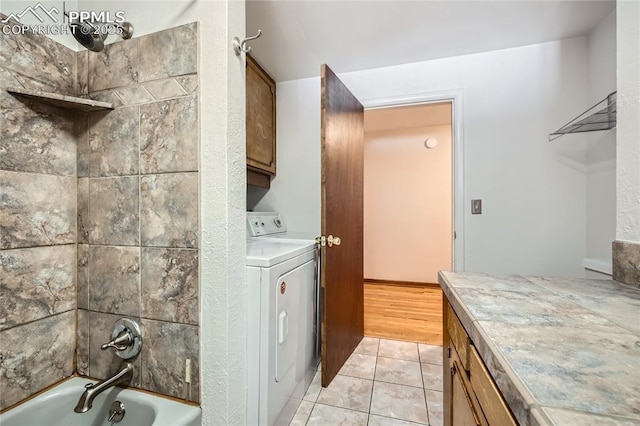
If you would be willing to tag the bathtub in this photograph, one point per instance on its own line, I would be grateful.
(55, 408)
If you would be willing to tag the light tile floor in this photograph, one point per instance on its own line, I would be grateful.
(383, 383)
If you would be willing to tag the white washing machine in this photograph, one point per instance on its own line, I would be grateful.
(283, 332)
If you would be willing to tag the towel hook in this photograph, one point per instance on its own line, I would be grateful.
(241, 46)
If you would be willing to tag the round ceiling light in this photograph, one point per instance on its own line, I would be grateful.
(431, 143)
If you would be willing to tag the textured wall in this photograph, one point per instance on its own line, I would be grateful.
(37, 219)
(223, 161)
(626, 250)
(138, 208)
(628, 132)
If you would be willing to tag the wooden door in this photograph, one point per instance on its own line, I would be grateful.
(342, 204)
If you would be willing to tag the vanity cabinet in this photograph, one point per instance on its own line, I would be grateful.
(261, 125)
(471, 397)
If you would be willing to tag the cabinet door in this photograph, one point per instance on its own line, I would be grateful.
(447, 363)
(493, 405)
(462, 412)
(458, 336)
(261, 119)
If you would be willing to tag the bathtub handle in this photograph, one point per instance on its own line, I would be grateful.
(120, 343)
(126, 338)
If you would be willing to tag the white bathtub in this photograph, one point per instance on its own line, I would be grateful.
(55, 408)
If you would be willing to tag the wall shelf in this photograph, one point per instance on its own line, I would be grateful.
(604, 118)
(62, 101)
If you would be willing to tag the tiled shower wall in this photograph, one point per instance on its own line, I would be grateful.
(626, 262)
(133, 173)
(37, 219)
(138, 208)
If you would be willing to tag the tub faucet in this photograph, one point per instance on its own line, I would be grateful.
(91, 390)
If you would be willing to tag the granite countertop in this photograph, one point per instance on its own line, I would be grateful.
(562, 351)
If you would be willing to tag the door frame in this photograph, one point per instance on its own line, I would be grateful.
(455, 96)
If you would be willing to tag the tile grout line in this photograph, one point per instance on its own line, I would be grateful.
(424, 388)
(424, 395)
(138, 109)
(88, 238)
(373, 384)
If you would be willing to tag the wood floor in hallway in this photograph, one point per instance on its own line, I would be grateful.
(410, 312)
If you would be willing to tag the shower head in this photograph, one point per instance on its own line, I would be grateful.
(89, 35)
(93, 34)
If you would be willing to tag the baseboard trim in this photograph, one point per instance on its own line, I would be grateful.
(373, 281)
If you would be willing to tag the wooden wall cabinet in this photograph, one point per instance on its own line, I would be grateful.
(261, 125)
(471, 397)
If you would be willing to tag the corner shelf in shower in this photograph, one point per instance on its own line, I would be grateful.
(62, 101)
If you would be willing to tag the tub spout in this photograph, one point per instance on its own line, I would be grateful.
(91, 390)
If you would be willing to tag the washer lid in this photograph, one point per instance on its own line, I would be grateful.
(290, 236)
(268, 253)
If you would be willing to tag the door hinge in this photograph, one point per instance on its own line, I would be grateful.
(328, 241)
(448, 351)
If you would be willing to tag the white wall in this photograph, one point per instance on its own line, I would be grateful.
(407, 203)
(223, 306)
(533, 191)
(151, 16)
(628, 155)
(223, 301)
(601, 154)
(295, 191)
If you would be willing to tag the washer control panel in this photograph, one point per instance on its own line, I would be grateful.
(264, 223)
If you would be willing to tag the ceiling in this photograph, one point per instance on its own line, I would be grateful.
(299, 36)
(405, 117)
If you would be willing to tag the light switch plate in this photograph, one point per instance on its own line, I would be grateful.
(476, 206)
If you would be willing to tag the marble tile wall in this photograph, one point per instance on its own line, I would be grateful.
(37, 219)
(37, 62)
(626, 262)
(138, 208)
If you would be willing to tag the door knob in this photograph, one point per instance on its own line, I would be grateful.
(331, 240)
